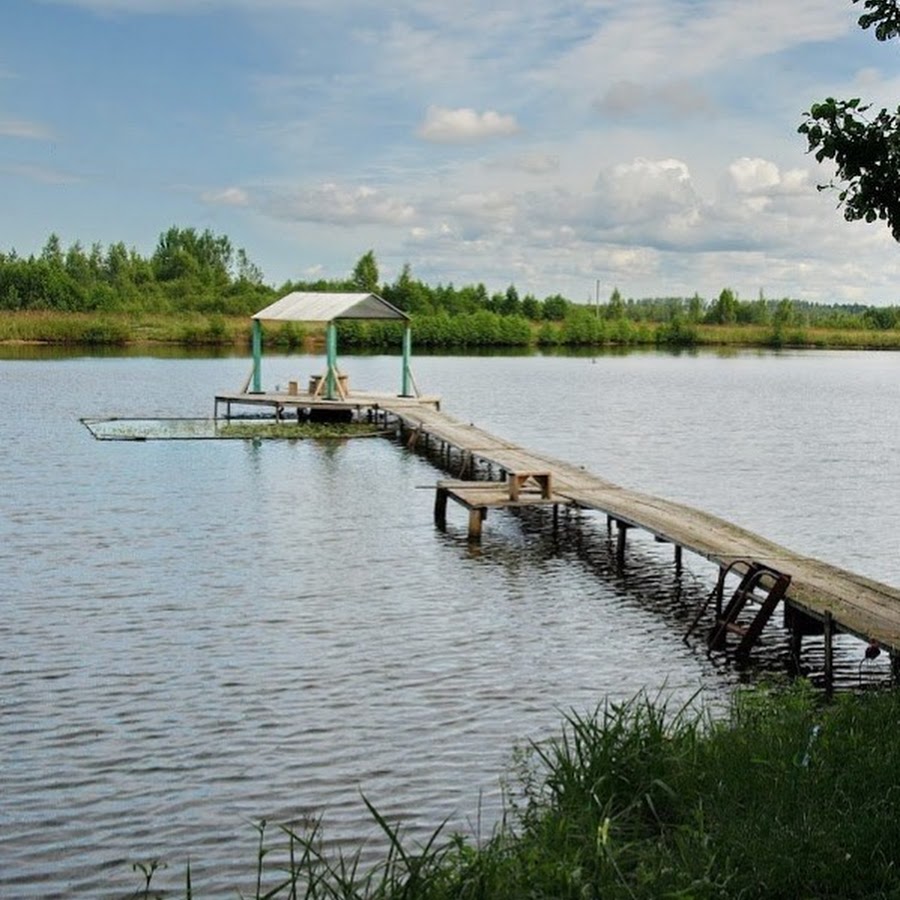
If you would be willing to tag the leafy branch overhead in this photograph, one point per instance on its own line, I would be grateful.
(865, 149)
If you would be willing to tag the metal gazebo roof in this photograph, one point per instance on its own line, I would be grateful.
(305, 306)
(309, 306)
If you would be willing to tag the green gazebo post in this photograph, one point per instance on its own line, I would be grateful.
(406, 380)
(331, 370)
(257, 357)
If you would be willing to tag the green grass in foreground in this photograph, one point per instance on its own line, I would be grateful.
(785, 797)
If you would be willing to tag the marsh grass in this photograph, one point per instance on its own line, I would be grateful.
(299, 430)
(786, 796)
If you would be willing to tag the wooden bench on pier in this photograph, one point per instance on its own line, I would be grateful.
(519, 482)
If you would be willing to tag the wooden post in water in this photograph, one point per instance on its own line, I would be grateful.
(440, 507)
(796, 645)
(620, 542)
(720, 592)
(678, 559)
(476, 517)
(829, 653)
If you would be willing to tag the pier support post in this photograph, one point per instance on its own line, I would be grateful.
(620, 542)
(720, 592)
(678, 559)
(829, 653)
(476, 518)
(440, 507)
(796, 647)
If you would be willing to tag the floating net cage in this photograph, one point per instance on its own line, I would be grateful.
(235, 428)
(127, 429)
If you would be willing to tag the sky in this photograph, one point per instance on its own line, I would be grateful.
(564, 147)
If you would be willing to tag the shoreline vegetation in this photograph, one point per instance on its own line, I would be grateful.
(782, 796)
(196, 290)
(476, 331)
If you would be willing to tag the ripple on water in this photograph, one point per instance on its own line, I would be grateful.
(202, 635)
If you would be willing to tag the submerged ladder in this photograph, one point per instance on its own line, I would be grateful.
(760, 584)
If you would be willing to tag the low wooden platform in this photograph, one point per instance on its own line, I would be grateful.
(228, 404)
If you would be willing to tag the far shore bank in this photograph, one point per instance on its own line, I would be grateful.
(197, 330)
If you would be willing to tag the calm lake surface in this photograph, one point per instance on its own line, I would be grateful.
(197, 635)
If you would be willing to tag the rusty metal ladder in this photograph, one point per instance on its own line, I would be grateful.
(760, 584)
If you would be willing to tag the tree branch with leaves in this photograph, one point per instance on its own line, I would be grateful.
(864, 148)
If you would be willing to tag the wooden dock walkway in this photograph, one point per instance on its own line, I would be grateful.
(820, 596)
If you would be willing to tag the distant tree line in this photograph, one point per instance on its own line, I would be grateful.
(191, 271)
(188, 271)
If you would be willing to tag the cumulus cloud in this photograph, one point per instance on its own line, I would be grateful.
(646, 191)
(457, 126)
(22, 128)
(752, 175)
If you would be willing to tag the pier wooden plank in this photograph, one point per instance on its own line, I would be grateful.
(855, 604)
(858, 605)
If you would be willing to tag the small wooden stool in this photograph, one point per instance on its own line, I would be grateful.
(517, 483)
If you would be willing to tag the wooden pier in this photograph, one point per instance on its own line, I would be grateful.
(817, 597)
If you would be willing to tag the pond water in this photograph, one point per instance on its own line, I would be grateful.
(197, 635)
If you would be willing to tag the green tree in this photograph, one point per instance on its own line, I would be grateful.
(365, 273)
(532, 308)
(510, 305)
(724, 310)
(52, 251)
(555, 307)
(182, 253)
(695, 308)
(247, 271)
(615, 309)
(864, 148)
(785, 314)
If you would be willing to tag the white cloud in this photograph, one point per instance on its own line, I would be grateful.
(230, 196)
(672, 100)
(454, 126)
(646, 191)
(41, 174)
(334, 204)
(752, 175)
(22, 128)
(536, 163)
(682, 39)
(755, 176)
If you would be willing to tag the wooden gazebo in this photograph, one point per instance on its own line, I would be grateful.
(300, 306)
